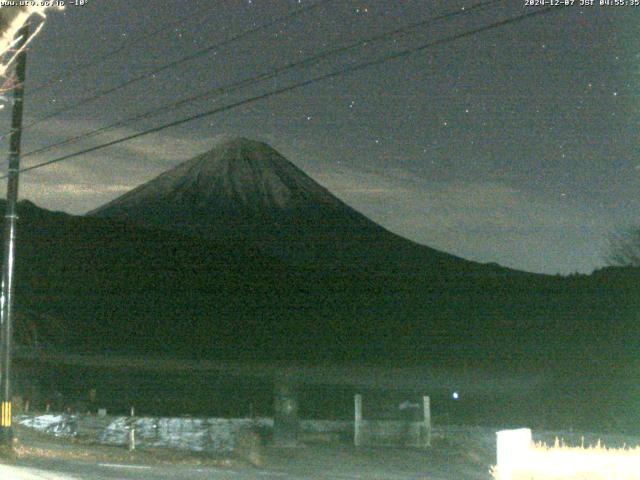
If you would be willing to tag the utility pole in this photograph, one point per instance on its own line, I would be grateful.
(6, 296)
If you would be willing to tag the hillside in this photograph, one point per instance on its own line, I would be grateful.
(91, 284)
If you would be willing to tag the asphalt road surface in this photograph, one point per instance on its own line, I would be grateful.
(67, 470)
(74, 470)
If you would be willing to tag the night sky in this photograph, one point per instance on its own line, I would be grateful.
(517, 145)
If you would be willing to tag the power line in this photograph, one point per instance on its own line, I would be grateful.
(125, 46)
(172, 64)
(299, 85)
(266, 76)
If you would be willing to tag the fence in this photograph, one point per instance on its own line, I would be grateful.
(413, 431)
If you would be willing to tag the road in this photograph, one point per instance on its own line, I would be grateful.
(311, 462)
(75, 470)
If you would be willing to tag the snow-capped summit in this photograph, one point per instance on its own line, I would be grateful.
(237, 174)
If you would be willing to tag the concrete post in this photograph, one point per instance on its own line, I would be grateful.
(132, 430)
(426, 405)
(132, 438)
(357, 424)
(285, 418)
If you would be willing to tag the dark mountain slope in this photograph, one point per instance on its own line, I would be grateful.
(91, 284)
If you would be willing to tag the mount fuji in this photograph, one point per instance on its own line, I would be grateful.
(244, 190)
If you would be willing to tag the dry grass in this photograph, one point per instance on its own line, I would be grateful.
(249, 447)
(543, 462)
(32, 444)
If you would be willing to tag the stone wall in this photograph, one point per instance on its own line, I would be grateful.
(196, 434)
